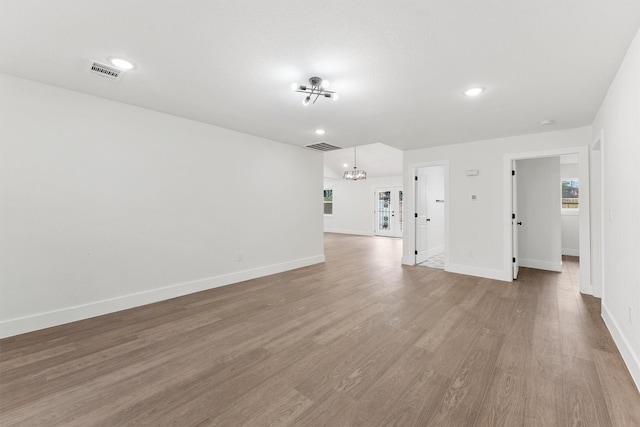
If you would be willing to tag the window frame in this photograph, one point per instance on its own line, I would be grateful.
(569, 211)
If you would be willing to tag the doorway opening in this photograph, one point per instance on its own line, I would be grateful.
(549, 223)
(430, 216)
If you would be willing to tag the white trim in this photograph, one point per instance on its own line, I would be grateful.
(584, 228)
(629, 356)
(571, 252)
(341, 231)
(34, 322)
(409, 260)
(569, 212)
(488, 273)
(541, 265)
(601, 147)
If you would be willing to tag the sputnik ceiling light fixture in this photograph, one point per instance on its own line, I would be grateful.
(355, 174)
(316, 87)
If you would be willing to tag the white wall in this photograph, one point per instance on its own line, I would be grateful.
(570, 218)
(106, 206)
(478, 227)
(618, 122)
(539, 191)
(353, 204)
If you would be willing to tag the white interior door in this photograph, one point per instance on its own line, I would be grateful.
(514, 219)
(388, 212)
(421, 218)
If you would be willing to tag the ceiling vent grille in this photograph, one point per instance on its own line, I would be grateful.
(323, 146)
(105, 71)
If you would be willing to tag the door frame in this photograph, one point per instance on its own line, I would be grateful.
(409, 228)
(584, 221)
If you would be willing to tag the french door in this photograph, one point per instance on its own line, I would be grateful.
(388, 212)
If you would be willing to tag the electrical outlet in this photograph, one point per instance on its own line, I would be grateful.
(239, 257)
(470, 254)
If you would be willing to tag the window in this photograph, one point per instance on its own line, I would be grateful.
(570, 193)
(328, 202)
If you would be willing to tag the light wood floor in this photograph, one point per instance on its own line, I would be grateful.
(358, 340)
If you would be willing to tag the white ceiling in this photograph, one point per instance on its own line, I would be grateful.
(400, 67)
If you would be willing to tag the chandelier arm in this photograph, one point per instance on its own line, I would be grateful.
(317, 96)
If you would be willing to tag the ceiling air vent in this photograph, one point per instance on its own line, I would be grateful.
(323, 146)
(105, 70)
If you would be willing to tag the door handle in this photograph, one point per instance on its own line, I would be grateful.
(519, 222)
(428, 219)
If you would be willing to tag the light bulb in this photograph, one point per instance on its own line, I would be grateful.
(334, 96)
(320, 131)
(325, 84)
(123, 64)
(474, 91)
(294, 86)
(306, 100)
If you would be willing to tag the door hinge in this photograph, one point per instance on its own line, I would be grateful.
(513, 173)
(415, 178)
(416, 215)
(514, 260)
(513, 216)
(416, 252)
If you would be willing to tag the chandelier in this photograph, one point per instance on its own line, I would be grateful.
(316, 87)
(355, 174)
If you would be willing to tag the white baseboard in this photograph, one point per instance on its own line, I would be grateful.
(341, 231)
(629, 356)
(470, 270)
(409, 260)
(38, 321)
(570, 252)
(540, 265)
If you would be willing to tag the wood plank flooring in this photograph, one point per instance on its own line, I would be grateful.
(357, 341)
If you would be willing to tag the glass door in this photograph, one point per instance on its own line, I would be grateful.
(388, 212)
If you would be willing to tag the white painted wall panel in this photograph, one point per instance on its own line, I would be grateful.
(105, 206)
(618, 120)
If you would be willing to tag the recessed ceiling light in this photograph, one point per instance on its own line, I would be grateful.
(546, 122)
(123, 64)
(346, 165)
(474, 91)
(320, 131)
